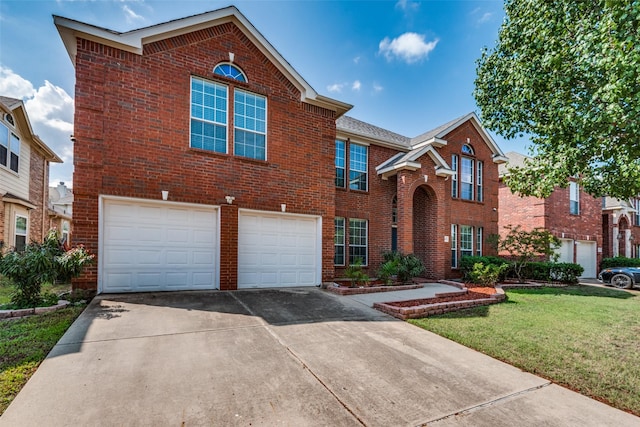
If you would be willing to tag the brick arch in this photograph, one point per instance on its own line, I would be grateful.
(425, 227)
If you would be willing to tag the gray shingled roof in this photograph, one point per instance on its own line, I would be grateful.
(433, 132)
(349, 124)
(515, 159)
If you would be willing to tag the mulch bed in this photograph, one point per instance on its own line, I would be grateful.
(472, 294)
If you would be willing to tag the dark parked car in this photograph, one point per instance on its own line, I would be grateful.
(620, 277)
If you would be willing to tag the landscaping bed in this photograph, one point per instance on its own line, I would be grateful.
(336, 288)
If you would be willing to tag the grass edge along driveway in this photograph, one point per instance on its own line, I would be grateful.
(24, 344)
(585, 338)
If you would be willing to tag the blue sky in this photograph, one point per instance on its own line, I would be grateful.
(406, 66)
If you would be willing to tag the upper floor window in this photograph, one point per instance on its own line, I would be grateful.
(209, 115)
(9, 149)
(454, 177)
(467, 149)
(340, 163)
(210, 118)
(574, 198)
(230, 71)
(479, 193)
(358, 167)
(466, 179)
(636, 215)
(250, 123)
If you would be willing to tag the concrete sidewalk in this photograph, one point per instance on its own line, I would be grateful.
(297, 357)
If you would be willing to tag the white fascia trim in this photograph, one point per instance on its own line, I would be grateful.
(435, 142)
(500, 159)
(393, 170)
(445, 172)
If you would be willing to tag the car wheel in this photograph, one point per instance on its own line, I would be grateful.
(622, 281)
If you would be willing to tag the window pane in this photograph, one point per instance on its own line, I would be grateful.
(454, 178)
(358, 241)
(250, 125)
(340, 152)
(466, 177)
(454, 246)
(358, 167)
(466, 240)
(208, 115)
(338, 241)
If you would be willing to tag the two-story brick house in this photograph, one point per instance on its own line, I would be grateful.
(204, 160)
(568, 213)
(24, 177)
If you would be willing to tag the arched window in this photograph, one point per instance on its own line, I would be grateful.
(467, 149)
(230, 71)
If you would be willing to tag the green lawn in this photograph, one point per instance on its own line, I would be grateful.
(24, 343)
(6, 288)
(582, 337)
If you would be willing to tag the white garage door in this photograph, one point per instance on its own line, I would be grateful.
(565, 251)
(155, 246)
(277, 250)
(586, 256)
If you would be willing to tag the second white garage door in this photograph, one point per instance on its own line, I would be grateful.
(157, 246)
(278, 250)
(587, 257)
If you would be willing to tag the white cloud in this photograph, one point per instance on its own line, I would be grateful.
(336, 87)
(377, 88)
(356, 60)
(407, 5)
(409, 47)
(50, 111)
(13, 85)
(356, 85)
(130, 15)
(486, 17)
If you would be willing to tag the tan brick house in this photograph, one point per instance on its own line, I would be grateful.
(24, 177)
(204, 160)
(570, 214)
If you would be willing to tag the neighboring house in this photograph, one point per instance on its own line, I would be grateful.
(621, 227)
(24, 177)
(569, 213)
(61, 211)
(203, 160)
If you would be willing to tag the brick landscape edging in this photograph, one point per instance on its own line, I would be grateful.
(343, 290)
(426, 310)
(9, 314)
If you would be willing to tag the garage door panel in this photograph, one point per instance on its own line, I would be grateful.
(149, 246)
(586, 256)
(277, 250)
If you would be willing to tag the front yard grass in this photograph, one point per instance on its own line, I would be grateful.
(582, 337)
(6, 289)
(24, 343)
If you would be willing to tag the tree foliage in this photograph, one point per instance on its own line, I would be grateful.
(567, 74)
(525, 246)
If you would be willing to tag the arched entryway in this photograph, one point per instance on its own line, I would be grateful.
(425, 228)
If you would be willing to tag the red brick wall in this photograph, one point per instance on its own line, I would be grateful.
(528, 212)
(132, 135)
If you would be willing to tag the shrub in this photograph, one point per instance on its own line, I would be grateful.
(409, 266)
(619, 261)
(553, 271)
(525, 246)
(467, 264)
(39, 263)
(487, 275)
(356, 273)
(388, 269)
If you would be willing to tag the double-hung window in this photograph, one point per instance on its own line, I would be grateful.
(209, 115)
(454, 177)
(479, 241)
(9, 149)
(250, 123)
(454, 246)
(466, 241)
(636, 215)
(574, 198)
(466, 178)
(358, 167)
(20, 233)
(479, 167)
(340, 163)
(357, 241)
(338, 241)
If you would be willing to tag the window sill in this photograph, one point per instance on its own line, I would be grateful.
(226, 156)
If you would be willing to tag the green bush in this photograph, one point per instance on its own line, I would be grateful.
(39, 263)
(409, 266)
(356, 274)
(467, 264)
(487, 275)
(389, 268)
(552, 271)
(619, 261)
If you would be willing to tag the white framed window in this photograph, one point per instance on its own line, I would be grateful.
(454, 246)
(466, 178)
(64, 235)
(358, 167)
(358, 240)
(479, 194)
(209, 106)
(9, 149)
(230, 71)
(574, 198)
(466, 241)
(340, 163)
(479, 232)
(250, 125)
(20, 232)
(636, 215)
(338, 241)
(454, 177)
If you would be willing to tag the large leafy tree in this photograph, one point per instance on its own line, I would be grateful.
(567, 74)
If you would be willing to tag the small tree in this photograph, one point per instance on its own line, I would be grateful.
(40, 263)
(525, 246)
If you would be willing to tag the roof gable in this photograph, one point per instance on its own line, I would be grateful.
(133, 41)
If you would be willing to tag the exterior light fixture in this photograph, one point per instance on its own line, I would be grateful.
(165, 194)
(230, 199)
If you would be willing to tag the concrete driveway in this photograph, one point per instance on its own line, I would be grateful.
(292, 357)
